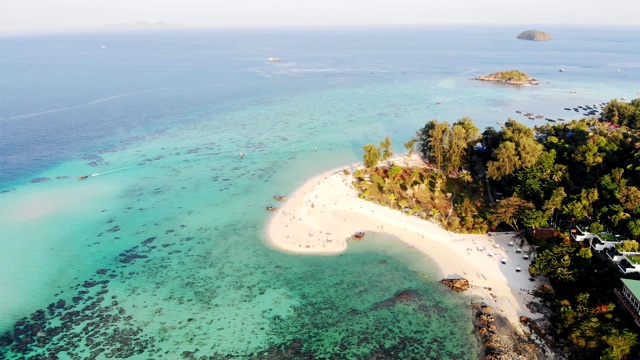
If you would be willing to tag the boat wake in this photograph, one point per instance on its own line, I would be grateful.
(110, 171)
(90, 103)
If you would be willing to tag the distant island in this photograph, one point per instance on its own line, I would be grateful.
(512, 77)
(534, 35)
(143, 25)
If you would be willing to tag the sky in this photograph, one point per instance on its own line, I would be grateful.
(19, 15)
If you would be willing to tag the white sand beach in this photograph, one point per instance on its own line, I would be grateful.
(322, 214)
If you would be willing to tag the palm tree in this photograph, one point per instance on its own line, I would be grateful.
(386, 148)
(434, 213)
(410, 146)
(392, 198)
(437, 183)
(371, 155)
(466, 177)
(367, 194)
(403, 205)
(415, 209)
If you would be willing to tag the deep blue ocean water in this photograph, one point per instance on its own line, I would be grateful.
(162, 253)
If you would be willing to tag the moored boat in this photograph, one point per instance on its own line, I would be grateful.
(358, 235)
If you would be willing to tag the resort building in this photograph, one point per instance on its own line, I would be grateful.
(604, 240)
(629, 296)
(630, 263)
(614, 255)
(580, 234)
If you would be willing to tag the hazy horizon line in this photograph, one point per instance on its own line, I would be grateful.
(164, 26)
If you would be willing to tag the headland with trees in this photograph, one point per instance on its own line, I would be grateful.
(542, 183)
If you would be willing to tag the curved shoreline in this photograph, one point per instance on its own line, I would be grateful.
(324, 212)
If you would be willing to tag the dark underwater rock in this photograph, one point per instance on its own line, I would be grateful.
(400, 297)
(40, 179)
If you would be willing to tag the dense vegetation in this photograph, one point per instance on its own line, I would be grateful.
(508, 76)
(580, 172)
(513, 75)
(449, 198)
(622, 113)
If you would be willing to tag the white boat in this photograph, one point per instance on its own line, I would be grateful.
(274, 59)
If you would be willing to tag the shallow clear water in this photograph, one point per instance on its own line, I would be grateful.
(167, 240)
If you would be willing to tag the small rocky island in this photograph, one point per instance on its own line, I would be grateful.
(534, 35)
(512, 77)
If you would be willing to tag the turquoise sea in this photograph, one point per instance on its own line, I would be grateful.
(160, 252)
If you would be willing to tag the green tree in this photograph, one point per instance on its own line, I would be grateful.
(586, 334)
(395, 171)
(457, 147)
(422, 138)
(505, 161)
(415, 209)
(634, 227)
(371, 155)
(554, 263)
(585, 253)
(618, 215)
(628, 246)
(386, 148)
(528, 151)
(622, 113)
(434, 213)
(575, 209)
(614, 182)
(509, 211)
(403, 204)
(466, 177)
(589, 155)
(490, 141)
(534, 218)
(514, 130)
(596, 228)
(554, 202)
(470, 129)
(410, 146)
(619, 343)
(518, 149)
(392, 199)
(630, 198)
(438, 140)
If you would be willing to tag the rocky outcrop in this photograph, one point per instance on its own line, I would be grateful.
(499, 339)
(534, 35)
(457, 285)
